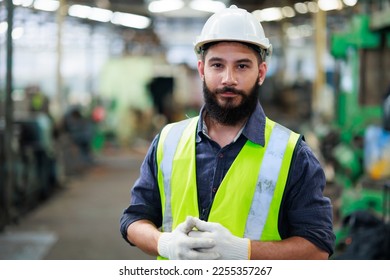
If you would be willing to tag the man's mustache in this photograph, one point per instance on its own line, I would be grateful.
(229, 89)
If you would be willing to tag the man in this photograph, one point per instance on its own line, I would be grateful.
(231, 184)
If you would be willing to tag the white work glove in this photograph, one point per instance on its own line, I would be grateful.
(228, 246)
(177, 245)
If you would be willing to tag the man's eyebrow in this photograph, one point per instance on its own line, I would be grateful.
(244, 60)
(218, 59)
(215, 59)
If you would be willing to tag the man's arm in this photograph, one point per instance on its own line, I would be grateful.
(292, 248)
(231, 247)
(144, 234)
(144, 212)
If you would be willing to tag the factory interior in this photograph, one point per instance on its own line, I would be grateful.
(85, 85)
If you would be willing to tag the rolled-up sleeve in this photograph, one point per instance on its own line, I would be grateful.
(306, 211)
(145, 197)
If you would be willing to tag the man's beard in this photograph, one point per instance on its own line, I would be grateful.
(230, 114)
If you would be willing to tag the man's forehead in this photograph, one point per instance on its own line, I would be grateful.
(229, 49)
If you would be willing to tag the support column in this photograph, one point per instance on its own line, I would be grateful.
(60, 98)
(320, 43)
(8, 213)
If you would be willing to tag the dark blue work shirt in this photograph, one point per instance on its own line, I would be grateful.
(304, 212)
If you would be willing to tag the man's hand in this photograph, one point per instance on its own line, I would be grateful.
(177, 245)
(228, 246)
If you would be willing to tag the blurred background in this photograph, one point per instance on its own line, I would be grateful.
(86, 84)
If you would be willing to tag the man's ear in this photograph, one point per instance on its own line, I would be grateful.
(201, 69)
(262, 72)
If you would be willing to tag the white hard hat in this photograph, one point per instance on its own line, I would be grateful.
(233, 24)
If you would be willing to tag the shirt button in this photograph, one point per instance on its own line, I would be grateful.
(214, 190)
(220, 155)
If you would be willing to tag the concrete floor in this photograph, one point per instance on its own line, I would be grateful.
(81, 221)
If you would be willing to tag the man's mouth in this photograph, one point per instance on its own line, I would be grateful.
(228, 92)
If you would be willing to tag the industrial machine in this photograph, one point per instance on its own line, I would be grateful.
(361, 158)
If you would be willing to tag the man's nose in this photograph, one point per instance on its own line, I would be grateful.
(229, 77)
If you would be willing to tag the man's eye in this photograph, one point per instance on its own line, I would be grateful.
(242, 66)
(216, 65)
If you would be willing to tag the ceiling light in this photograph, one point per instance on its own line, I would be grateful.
(130, 20)
(46, 5)
(17, 33)
(269, 14)
(207, 5)
(288, 12)
(301, 8)
(312, 6)
(23, 3)
(328, 5)
(162, 6)
(350, 3)
(79, 11)
(101, 15)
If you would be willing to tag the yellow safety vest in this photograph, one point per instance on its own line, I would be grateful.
(247, 201)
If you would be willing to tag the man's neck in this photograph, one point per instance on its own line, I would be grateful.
(221, 133)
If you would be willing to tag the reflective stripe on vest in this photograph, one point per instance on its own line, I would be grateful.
(171, 141)
(247, 201)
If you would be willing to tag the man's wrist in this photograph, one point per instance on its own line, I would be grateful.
(241, 250)
(162, 244)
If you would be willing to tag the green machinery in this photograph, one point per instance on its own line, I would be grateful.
(363, 60)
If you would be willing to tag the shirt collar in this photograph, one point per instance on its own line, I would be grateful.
(253, 130)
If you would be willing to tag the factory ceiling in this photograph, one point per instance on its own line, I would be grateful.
(178, 26)
(141, 6)
(175, 29)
